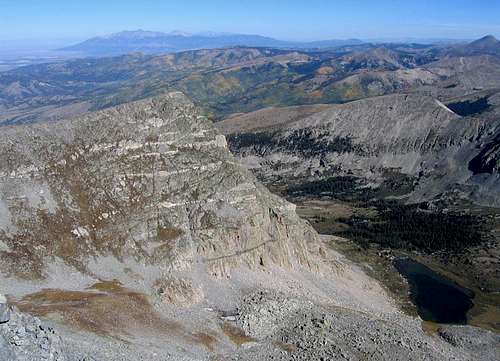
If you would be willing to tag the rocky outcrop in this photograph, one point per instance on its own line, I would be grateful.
(295, 329)
(4, 310)
(415, 135)
(149, 181)
(136, 223)
(481, 343)
(140, 236)
(147, 195)
(26, 338)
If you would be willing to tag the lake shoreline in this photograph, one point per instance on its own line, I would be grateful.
(378, 263)
(437, 298)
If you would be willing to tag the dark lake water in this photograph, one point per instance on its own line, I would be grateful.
(437, 298)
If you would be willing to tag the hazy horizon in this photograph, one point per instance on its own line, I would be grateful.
(65, 22)
(32, 47)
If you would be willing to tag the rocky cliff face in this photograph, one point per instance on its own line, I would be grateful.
(147, 181)
(137, 235)
(414, 135)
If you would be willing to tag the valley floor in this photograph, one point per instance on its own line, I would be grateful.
(473, 269)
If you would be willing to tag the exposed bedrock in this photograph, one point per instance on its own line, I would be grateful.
(411, 134)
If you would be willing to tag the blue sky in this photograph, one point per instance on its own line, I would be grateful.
(293, 19)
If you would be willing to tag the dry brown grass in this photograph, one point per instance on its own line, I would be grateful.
(206, 339)
(106, 309)
(325, 70)
(285, 346)
(178, 291)
(486, 316)
(168, 233)
(235, 334)
(268, 118)
(430, 328)
(107, 286)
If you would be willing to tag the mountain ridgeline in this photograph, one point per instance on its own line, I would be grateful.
(150, 42)
(135, 228)
(139, 229)
(243, 79)
(162, 188)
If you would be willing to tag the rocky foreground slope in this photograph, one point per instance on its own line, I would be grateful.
(134, 234)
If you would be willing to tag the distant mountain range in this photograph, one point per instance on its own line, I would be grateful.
(150, 42)
(486, 45)
(244, 79)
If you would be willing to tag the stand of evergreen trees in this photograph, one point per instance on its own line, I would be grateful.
(409, 227)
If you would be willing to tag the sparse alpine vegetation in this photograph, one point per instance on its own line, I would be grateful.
(238, 79)
(139, 231)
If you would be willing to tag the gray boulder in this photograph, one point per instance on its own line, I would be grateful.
(4, 310)
(27, 338)
(6, 353)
